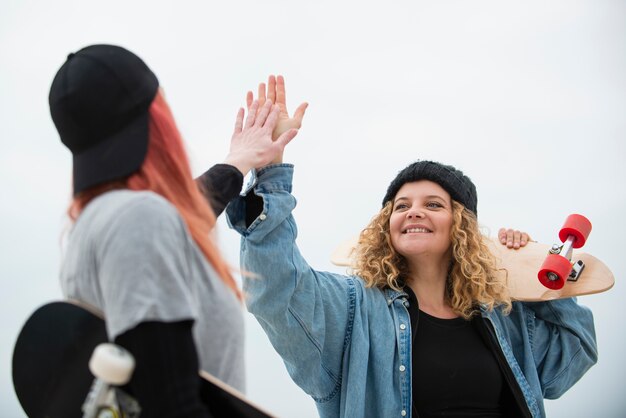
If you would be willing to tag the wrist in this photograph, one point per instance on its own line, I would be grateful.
(239, 163)
(277, 160)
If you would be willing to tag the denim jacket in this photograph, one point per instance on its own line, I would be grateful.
(349, 347)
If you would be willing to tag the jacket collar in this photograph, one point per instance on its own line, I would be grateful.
(391, 295)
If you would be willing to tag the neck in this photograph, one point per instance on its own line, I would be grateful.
(428, 279)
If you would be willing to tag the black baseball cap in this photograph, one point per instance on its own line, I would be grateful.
(99, 102)
(451, 179)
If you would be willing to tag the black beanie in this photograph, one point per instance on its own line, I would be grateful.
(452, 180)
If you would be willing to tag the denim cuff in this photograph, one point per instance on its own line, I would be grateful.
(273, 185)
(275, 177)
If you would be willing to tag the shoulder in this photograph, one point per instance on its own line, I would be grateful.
(132, 215)
(147, 203)
(370, 295)
(123, 207)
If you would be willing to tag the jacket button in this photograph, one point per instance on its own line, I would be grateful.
(262, 216)
(402, 368)
(402, 326)
(403, 413)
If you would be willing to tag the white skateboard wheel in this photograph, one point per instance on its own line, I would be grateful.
(112, 363)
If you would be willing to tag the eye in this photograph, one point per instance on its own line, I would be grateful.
(400, 206)
(434, 205)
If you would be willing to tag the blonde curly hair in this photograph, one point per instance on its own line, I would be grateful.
(472, 278)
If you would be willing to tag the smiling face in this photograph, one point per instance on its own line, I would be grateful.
(421, 220)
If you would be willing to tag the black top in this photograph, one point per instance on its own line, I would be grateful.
(454, 373)
(221, 184)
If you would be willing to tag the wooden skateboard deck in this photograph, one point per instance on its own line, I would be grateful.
(520, 268)
(51, 376)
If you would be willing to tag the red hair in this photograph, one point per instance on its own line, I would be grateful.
(166, 171)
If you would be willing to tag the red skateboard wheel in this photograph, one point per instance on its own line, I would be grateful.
(554, 271)
(578, 226)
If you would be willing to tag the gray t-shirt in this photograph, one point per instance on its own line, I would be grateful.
(130, 255)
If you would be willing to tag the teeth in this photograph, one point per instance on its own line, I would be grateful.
(416, 230)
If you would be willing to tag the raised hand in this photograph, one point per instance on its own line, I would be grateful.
(252, 145)
(276, 94)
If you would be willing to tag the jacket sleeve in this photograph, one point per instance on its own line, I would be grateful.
(304, 312)
(563, 342)
(220, 184)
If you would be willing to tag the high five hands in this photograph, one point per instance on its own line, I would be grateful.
(267, 129)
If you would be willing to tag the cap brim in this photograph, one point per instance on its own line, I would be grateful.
(117, 157)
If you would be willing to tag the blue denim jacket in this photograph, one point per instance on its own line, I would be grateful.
(349, 346)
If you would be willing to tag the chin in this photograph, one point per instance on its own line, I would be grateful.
(422, 251)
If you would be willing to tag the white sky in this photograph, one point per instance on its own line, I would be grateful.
(527, 97)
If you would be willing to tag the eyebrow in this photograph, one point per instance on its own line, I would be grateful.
(432, 196)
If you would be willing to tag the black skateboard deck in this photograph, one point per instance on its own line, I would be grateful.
(51, 376)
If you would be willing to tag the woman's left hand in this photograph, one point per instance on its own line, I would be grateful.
(513, 238)
(277, 95)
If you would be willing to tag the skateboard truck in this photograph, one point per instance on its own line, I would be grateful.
(112, 366)
(557, 267)
(577, 267)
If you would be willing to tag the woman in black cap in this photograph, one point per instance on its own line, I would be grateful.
(423, 327)
(140, 248)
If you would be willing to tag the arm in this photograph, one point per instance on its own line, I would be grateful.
(165, 381)
(305, 313)
(147, 302)
(563, 341)
(220, 184)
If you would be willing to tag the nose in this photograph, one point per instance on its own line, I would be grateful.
(415, 214)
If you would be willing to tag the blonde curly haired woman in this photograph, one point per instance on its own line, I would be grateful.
(401, 241)
(423, 327)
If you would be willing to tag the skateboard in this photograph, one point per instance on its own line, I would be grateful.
(537, 272)
(63, 345)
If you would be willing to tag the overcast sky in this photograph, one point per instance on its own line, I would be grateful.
(527, 97)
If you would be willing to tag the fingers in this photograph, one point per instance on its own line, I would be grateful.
(516, 239)
(281, 97)
(513, 238)
(272, 118)
(507, 237)
(257, 116)
(239, 120)
(249, 98)
(299, 113)
(261, 96)
(263, 114)
(271, 89)
(252, 114)
(524, 239)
